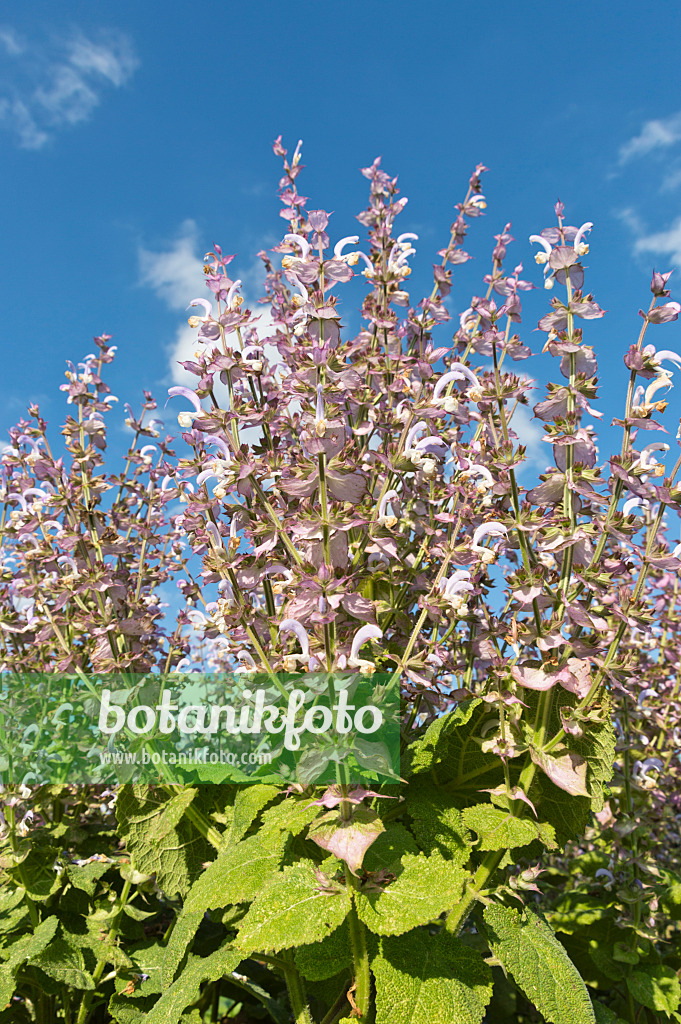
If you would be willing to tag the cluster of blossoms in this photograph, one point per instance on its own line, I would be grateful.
(354, 502)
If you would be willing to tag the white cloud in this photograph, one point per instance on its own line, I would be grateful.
(115, 63)
(530, 433)
(18, 114)
(655, 134)
(68, 98)
(665, 243)
(176, 275)
(671, 180)
(59, 85)
(183, 349)
(630, 217)
(10, 40)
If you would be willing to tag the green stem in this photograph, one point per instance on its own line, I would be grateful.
(360, 955)
(338, 1009)
(296, 991)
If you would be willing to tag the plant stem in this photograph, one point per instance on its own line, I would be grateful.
(296, 991)
(360, 956)
(338, 1009)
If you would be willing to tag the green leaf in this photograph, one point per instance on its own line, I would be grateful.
(671, 899)
(97, 940)
(181, 937)
(530, 952)
(602, 956)
(292, 815)
(569, 815)
(426, 887)
(430, 979)
(160, 838)
(65, 963)
(292, 912)
(147, 960)
(22, 951)
(127, 1010)
(576, 912)
(86, 876)
(625, 954)
(390, 847)
(597, 746)
(248, 803)
(186, 990)
(38, 876)
(237, 876)
(604, 1015)
(325, 959)
(448, 751)
(500, 830)
(436, 823)
(137, 914)
(656, 987)
(12, 910)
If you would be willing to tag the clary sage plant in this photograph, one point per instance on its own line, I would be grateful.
(351, 504)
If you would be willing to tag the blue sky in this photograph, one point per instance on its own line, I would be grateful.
(134, 135)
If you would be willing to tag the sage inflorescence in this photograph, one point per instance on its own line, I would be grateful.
(334, 505)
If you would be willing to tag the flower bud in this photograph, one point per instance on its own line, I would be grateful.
(658, 283)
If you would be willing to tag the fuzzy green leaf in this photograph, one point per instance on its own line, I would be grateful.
(12, 910)
(449, 753)
(181, 938)
(160, 838)
(292, 815)
(86, 876)
(390, 847)
(169, 1008)
(127, 1010)
(248, 803)
(292, 912)
(148, 961)
(426, 887)
(436, 823)
(22, 951)
(568, 814)
(430, 979)
(531, 953)
(604, 1015)
(597, 745)
(500, 830)
(325, 959)
(236, 876)
(656, 987)
(65, 963)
